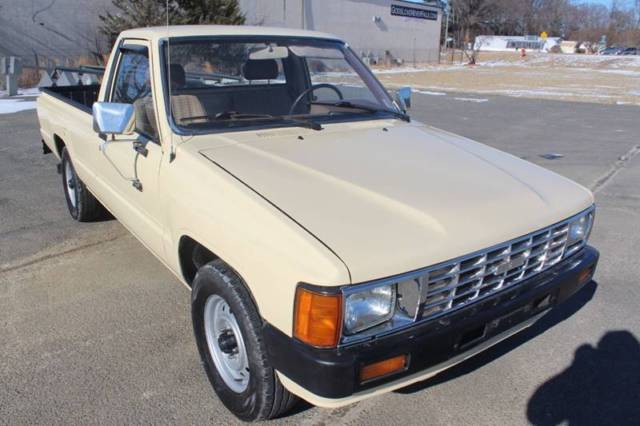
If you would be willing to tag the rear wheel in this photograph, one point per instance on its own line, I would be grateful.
(82, 205)
(228, 332)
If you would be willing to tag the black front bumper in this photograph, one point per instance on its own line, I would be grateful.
(334, 373)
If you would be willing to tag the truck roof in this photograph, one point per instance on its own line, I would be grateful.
(155, 33)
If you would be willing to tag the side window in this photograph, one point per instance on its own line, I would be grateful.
(133, 86)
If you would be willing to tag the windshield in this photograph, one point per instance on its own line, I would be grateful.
(219, 83)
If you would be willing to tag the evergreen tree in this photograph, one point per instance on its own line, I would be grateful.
(146, 13)
(135, 14)
(222, 12)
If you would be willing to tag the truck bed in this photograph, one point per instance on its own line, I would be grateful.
(81, 97)
(62, 107)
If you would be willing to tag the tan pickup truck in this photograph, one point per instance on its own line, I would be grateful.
(335, 249)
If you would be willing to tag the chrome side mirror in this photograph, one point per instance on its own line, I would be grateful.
(113, 118)
(403, 98)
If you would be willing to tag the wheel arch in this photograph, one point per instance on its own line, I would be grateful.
(192, 255)
(59, 144)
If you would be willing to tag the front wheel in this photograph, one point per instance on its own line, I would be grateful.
(228, 332)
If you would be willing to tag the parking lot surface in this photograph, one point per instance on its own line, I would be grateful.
(95, 330)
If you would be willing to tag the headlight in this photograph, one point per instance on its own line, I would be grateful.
(368, 308)
(580, 228)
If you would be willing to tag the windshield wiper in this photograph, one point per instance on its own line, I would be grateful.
(302, 122)
(234, 115)
(349, 104)
(237, 116)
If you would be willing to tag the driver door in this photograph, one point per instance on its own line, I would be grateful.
(129, 164)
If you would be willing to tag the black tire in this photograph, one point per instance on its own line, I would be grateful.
(84, 207)
(264, 397)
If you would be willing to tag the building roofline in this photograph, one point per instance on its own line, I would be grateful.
(435, 5)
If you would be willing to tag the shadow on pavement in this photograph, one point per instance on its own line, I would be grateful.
(602, 386)
(556, 316)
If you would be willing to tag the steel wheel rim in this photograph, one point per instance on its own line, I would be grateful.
(226, 344)
(70, 181)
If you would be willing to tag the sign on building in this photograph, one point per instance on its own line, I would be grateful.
(412, 12)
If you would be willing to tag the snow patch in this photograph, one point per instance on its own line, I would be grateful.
(430, 93)
(537, 92)
(9, 106)
(419, 69)
(23, 93)
(34, 91)
(476, 100)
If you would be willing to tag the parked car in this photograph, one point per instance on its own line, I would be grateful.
(611, 51)
(630, 51)
(334, 248)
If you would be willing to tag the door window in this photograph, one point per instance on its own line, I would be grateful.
(133, 86)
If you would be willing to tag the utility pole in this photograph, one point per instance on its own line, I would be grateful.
(10, 66)
(303, 5)
(414, 52)
(445, 12)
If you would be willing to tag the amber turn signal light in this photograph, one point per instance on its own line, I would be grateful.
(585, 275)
(317, 318)
(383, 368)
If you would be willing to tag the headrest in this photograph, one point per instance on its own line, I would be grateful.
(260, 69)
(178, 78)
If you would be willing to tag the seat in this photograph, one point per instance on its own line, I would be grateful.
(262, 98)
(145, 117)
(184, 106)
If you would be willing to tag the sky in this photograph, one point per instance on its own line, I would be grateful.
(625, 3)
(604, 2)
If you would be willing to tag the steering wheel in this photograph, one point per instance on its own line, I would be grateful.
(312, 89)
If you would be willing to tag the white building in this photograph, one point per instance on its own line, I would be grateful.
(380, 29)
(42, 30)
(498, 43)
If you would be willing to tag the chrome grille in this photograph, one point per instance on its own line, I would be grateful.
(454, 284)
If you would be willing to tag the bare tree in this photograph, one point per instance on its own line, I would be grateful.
(470, 18)
(559, 18)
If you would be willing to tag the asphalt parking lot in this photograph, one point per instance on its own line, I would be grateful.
(96, 330)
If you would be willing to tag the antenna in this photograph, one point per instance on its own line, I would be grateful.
(172, 153)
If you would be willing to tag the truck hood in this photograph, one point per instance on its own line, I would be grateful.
(393, 199)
